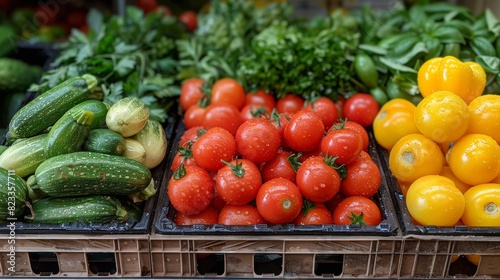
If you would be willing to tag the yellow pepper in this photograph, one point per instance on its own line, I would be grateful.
(465, 79)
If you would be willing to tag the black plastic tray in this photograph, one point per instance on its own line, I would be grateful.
(164, 223)
(408, 227)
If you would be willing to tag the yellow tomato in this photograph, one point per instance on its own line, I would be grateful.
(482, 206)
(434, 200)
(496, 180)
(394, 120)
(414, 156)
(475, 159)
(442, 116)
(485, 116)
(446, 172)
(474, 259)
(403, 186)
(454, 258)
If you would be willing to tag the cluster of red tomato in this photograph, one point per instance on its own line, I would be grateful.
(248, 158)
(189, 18)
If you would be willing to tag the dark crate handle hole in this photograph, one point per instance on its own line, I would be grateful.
(267, 264)
(210, 264)
(328, 264)
(102, 264)
(462, 267)
(44, 263)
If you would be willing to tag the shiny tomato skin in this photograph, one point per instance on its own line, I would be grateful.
(334, 202)
(279, 201)
(209, 216)
(252, 111)
(238, 182)
(257, 140)
(190, 19)
(317, 181)
(482, 203)
(344, 144)
(318, 215)
(363, 177)
(182, 157)
(190, 92)
(280, 123)
(192, 193)
(228, 91)
(191, 135)
(326, 110)
(225, 116)
(304, 131)
(278, 167)
(360, 130)
(361, 108)
(211, 148)
(194, 116)
(260, 97)
(240, 215)
(357, 205)
(289, 104)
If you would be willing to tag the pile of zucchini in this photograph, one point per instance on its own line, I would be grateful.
(72, 158)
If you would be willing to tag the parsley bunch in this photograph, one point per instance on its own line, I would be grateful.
(132, 56)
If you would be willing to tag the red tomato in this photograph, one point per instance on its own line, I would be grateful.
(217, 202)
(183, 156)
(257, 140)
(194, 116)
(260, 97)
(334, 202)
(147, 5)
(191, 135)
(280, 121)
(76, 18)
(361, 108)
(340, 106)
(279, 201)
(289, 104)
(252, 111)
(228, 91)
(357, 210)
(225, 116)
(240, 215)
(363, 177)
(191, 92)
(193, 192)
(317, 214)
(317, 180)
(306, 155)
(238, 182)
(279, 166)
(326, 110)
(344, 144)
(209, 216)
(215, 145)
(190, 19)
(304, 131)
(354, 126)
(162, 9)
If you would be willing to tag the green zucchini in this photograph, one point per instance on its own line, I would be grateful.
(105, 141)
(3, 148)
(47, 108)
(133, 210)
(97, 107)
(25, 155)
(68, 133)
(87, 209)
(154, 140)
(13, 195)
(85, 173)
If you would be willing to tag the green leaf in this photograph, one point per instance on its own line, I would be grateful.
(123, 48)
(125, 65)
(482, 47)
(491, 64)
(78, 37)
(448, 34)
(373, 49)
(396, 66)
(415, 52)
(492, 22)
(95, 20)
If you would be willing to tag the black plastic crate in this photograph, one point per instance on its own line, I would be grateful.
(406, 223)
(164, 220)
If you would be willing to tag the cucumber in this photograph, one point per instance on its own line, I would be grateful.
(105, 141)
(154, 140)
(25, 155)
(85, 173)
(13, 195)
(47, 108)
(97, 107)
(87, 209)
(68, 133)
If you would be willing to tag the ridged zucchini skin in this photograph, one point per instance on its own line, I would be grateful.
(87, 209)
(86, 173)
(25, 155)
(47, 108)
(97, 107)
(105, 141)
(68, 133)
(13, 195)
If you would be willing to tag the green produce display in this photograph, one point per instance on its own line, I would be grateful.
(12, 183)
(105, 141)
(25, 155)
(16, 76)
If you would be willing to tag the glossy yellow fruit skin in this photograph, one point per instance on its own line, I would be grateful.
(446, 172)
(466, 80)
(482, 206)
(485, 116)
(442, 116)
(434, 200)
(414, 156)
(394, 120)
(475, 159)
